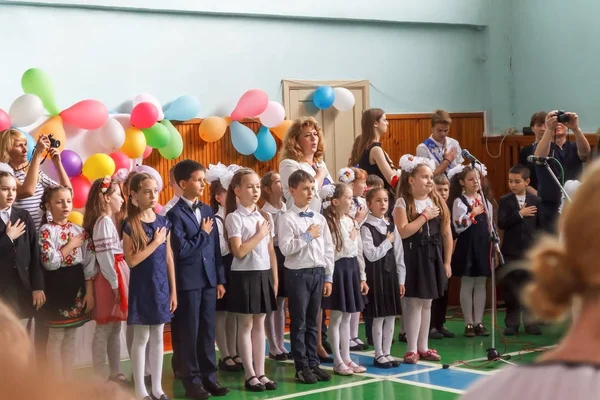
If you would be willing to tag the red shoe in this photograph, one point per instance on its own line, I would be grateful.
(430, 355)
(411, 358)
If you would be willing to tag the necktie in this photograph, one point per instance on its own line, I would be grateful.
(308, 214)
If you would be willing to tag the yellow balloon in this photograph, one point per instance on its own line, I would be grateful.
(213, 129)
(281, 129)
(98, 166)
(76, 217)
(135, 143)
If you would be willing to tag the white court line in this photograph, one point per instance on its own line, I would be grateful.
(428, 386)
(326, 389)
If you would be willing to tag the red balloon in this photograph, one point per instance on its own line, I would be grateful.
(81, 188)
(158, 208)
(121, 160)
(147, 152)
(4, 120)
(87, 114)
(144, 115)
(252, 103)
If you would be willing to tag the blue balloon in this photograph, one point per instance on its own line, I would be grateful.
(243, 139)
(30, 145)
(267, 148)
(324, 97)
(182, 108)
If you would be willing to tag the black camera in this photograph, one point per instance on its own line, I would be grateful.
(53, 142)
(562, 117)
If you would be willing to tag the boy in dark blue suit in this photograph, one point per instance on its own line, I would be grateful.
(200, 277)
(518, 217)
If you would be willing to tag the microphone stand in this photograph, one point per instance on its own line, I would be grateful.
(553, 175)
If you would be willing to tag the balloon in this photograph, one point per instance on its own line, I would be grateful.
(243, 139)
(87, 114)
(50, 170)
(112, 135)
(144, 115)
(35, 81)
(135, 143)
(281, 129)
(148, 98)
(71, 163)
(30, 145)
(157, 136)
(123, 120)
(344, 99)
(25, 110)
(152, 172)
(175, 146)
(323, 97)
(76, 218)
(120, 160)
(182, 108)
(53, 126)
(4, 120)
(212, 129)
(81, 188)
(124, 108)
(273, 115)
(147, 152)
(252, 103)
(158, 208)
(267, 148)
(98, 166)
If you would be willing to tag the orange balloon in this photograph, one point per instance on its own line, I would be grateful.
(212, 129)
(135, 143)
(227, 120)
(281, 129)
(53, 126)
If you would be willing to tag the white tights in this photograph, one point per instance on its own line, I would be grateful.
(152, 337)
(61, 350)
(226, 335)
(383, 333)
(472, 297)
(251, 340)
(275, 327)
(417, 316)
(107, 340)
(129, 340)
(338, 333)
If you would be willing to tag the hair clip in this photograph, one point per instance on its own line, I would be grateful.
(105, 184)
(346, 175)
(408, 162)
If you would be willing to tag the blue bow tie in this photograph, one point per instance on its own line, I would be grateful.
(308, 214)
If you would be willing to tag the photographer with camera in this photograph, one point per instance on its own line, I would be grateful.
(571, 155)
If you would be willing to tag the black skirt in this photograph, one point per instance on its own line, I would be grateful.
(281, 292)
(252, 292)
(65, 291)
(222, 303)
(345, 294)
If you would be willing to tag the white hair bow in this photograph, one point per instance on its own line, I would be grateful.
(408, 162)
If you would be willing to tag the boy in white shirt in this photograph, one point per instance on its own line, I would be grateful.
(305, 241)
(176, 193)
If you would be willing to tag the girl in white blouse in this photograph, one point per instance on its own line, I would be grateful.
(111, 285)
(68, 257)
(253, 274)
(349, 278)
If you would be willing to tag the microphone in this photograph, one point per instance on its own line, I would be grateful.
(465, 153)
(533, 159)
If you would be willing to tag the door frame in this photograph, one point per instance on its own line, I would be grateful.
(295, 84)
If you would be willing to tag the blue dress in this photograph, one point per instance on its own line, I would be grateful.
(149, 295)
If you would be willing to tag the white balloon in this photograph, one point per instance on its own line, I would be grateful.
(148, 98)
(344, 99)
(124, 120)
(25, 110)
(111, 135)
(273, 115)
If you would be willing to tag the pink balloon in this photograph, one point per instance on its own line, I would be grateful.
(144, 115)
(147, 152)
(120, 159)
(4, 120)
(252, 103)
(87, 114)
(158, 208)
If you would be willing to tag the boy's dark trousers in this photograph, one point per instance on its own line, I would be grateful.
(439, 307)
(305, 292)
(514, 282)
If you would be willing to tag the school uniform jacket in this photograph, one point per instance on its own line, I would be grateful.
(519, 232)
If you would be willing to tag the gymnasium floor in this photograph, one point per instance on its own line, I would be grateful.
(422, 381)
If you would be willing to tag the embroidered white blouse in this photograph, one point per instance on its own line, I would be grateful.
(54, 237)
(107, 244)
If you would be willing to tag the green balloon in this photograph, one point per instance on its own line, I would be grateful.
(37, 82)
(175, 147)
(157, 136)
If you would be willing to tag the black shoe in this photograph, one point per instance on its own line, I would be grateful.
(320, 374)
(259, 387)
(394, 363)
(223, 366)
(305, 375)
(435, 334)
(270, 385)
(358, 347)
(469, 331)
(235, 360)
(511, 331)
(385, 364)
(326, 360)
(163, 397)
(402, 337)
(533, 330)
(481, 331)
(197, 392)
(446, 332)
(278, 357)
(215, 389)
(327, 347)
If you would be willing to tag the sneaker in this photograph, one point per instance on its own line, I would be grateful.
(357, 369)
(511, 331)
(430, 355)
(435, 334)
(305, 375)
(446, 332)
(533, 330)
(481, 331)
(469, 331)
(342, 369)
(411, 358)
(320, 374)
